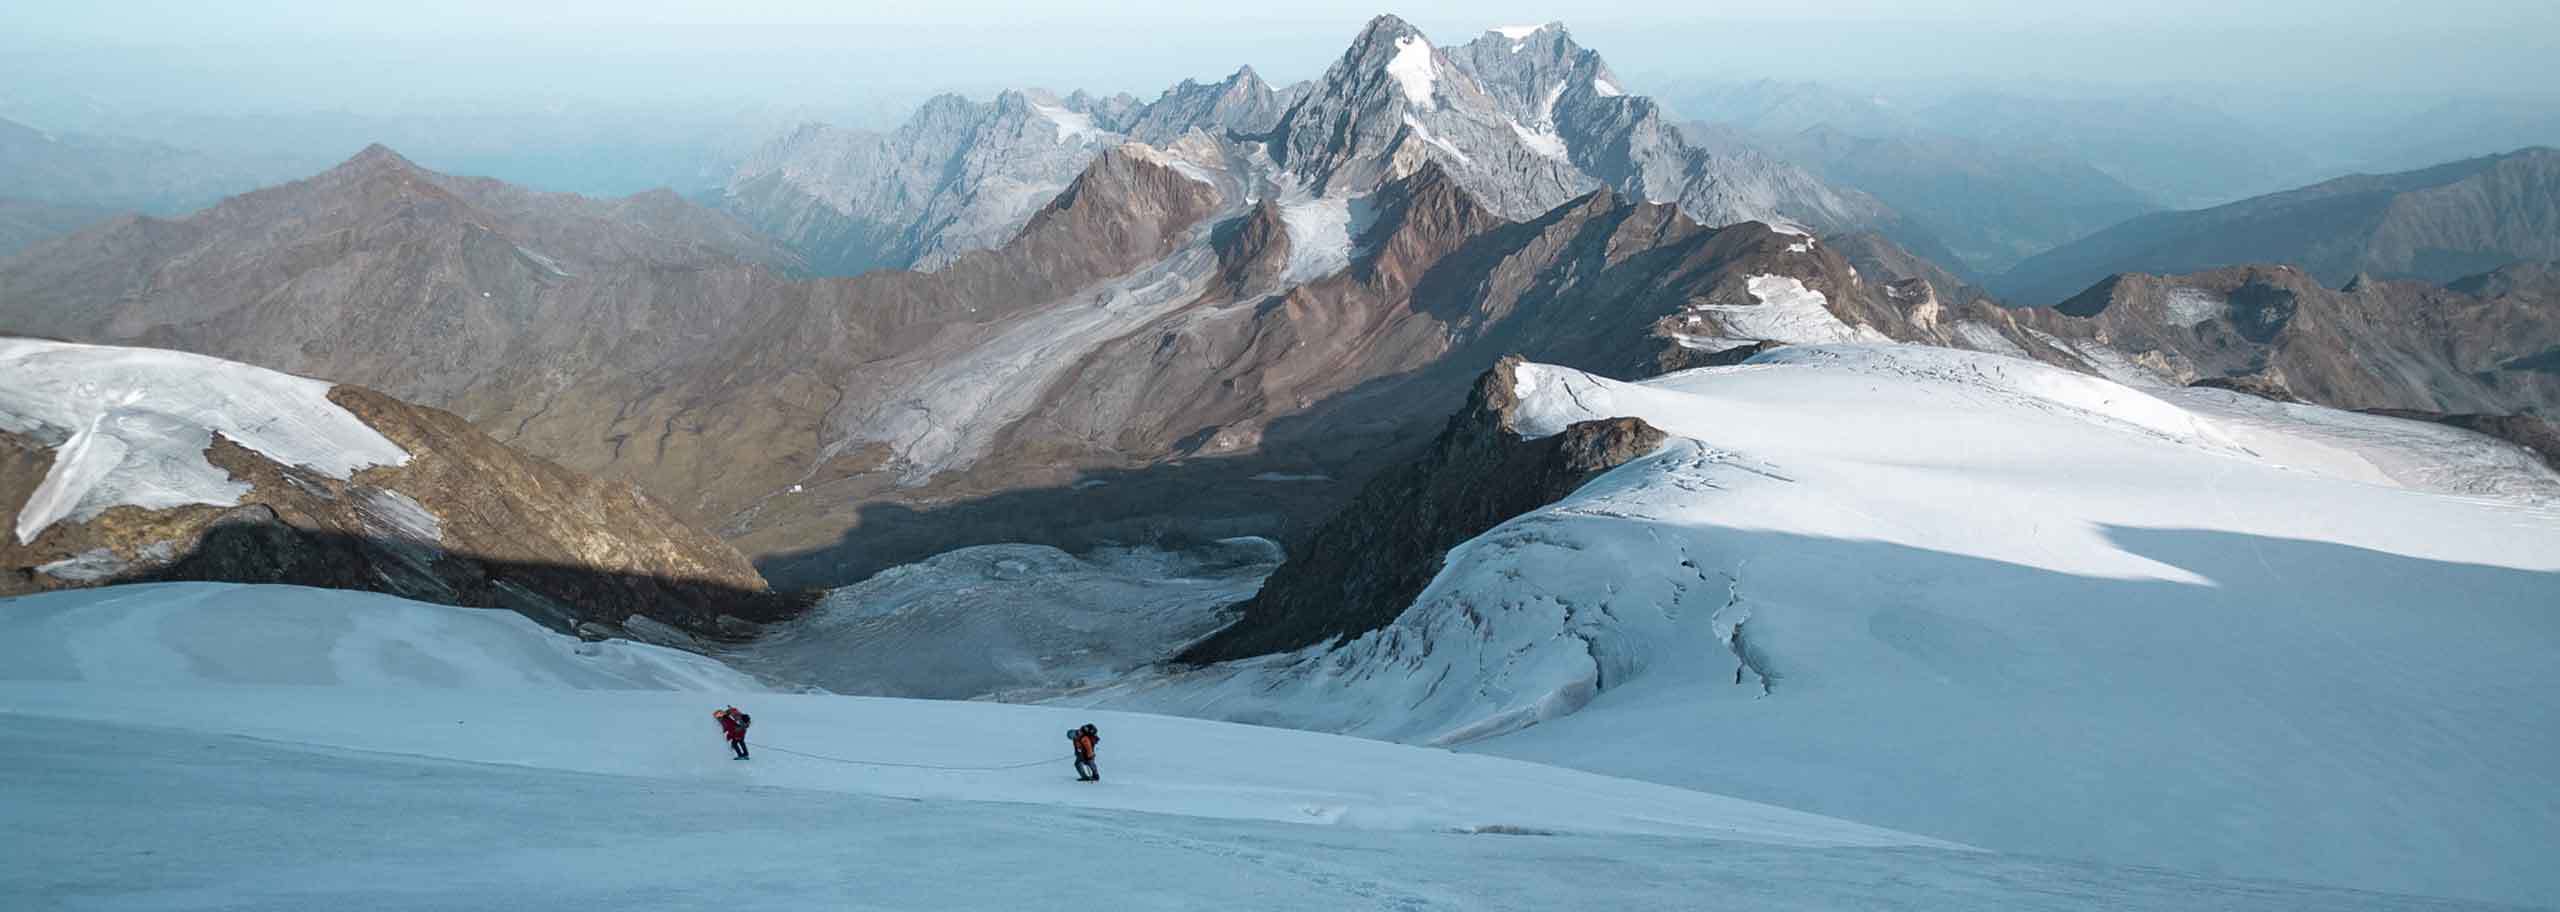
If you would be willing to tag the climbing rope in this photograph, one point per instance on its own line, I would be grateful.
(925, 766)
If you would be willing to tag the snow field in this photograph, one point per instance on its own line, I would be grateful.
(407, 678)
(109, 817)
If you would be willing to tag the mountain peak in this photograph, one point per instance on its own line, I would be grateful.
(1520, 33)
(376, 157)
(1387, 28)
(1394, 47)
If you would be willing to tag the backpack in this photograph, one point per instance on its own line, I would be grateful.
(743, 719)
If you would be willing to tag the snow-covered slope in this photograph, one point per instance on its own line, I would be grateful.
(191, 634)
(212, 821)
(143, 781)
(1995, 602)
(374, 673)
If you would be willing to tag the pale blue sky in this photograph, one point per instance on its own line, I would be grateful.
(283, 55)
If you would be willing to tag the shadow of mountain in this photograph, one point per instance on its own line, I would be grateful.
(248, 545)
(1171, 504)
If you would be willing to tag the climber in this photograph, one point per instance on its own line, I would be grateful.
(733, 723)
(1084, 740)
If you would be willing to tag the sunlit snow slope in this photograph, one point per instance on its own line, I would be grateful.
(190, 746)
(1987, 600)
(375, 673)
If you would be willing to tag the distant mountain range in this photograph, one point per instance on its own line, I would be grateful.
(1991, 204)
(2174, 152)
(2435, 224)
(1526, 121)
(24, 222)
(110, 173)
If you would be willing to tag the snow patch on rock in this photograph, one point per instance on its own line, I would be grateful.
(1073, 126)
(1543, 142)
(133, 425)
(1789, 312)
(1414, 70)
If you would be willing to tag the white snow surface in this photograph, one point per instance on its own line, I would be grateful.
(1788, 312)
(365, 672)
(195, 634)
(133, 424)
(1414, 70)
(1996, 602)
(1604, 88)
(202, 819)
(367, 786)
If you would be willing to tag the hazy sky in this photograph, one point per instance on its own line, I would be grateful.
(294, 55)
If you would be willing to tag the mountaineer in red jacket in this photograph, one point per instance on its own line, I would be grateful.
(733, 723)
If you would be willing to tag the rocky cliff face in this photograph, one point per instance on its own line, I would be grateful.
(447, 515)
(1364, 566)
(2435, 225)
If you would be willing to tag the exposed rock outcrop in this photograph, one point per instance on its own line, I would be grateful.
(1365, 565)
